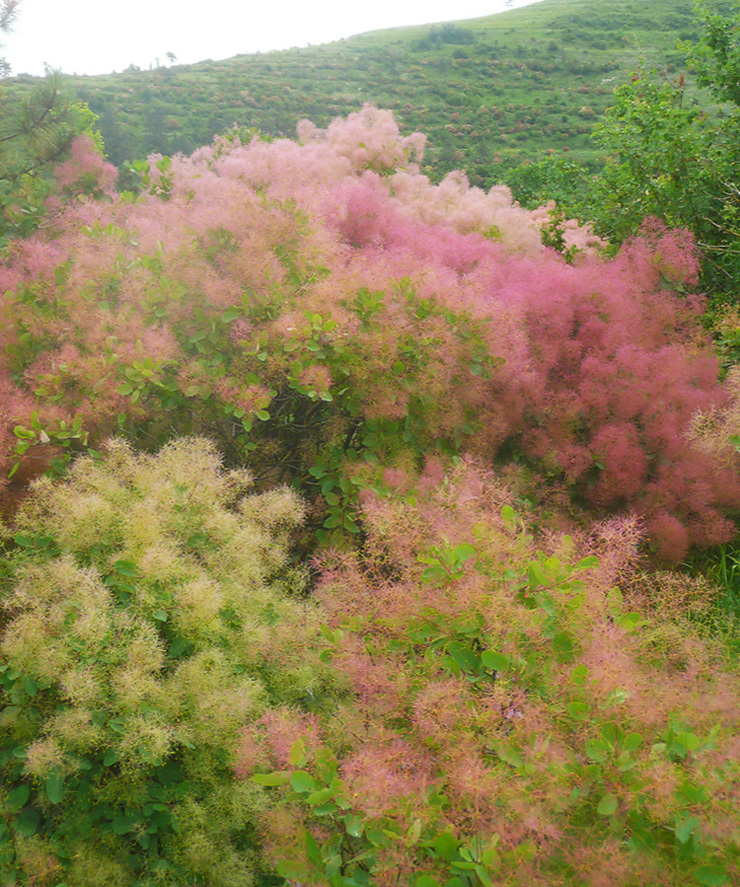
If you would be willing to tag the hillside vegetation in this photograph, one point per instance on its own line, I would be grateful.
(440, 665)
(487, 91)
(366, 528)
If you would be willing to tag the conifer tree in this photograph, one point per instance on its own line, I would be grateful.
(8, 13)
(37, 128)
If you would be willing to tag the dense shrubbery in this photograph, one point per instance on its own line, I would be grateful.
(458, 706)
(150, 611)
(513, 721)
(321, 308)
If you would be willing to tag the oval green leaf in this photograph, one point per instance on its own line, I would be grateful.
(55, 786)
(608, 805)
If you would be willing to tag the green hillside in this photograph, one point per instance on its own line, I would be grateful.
(488, 92)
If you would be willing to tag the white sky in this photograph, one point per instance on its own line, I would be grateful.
(99, 36)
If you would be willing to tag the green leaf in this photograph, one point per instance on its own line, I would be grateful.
(630, 621)
(124, 824)
(325, 809)
(55, 786)
(18, 797)
(509, 755)
(508, 515)
(689, 740)
(313, 851)
(177, 647)
(596, 750)
(496, 661)
(467, 660)
(112, 756)
(377, 837)
(302, 782)
(611, 733)
(27, 823)
(490, 855)
(608, 805)
(279, 777)
(354, 825)
(30, 686)
(445, 845)
(464, 552)
(563, 646)
(536, 575)
(434, 574)
(579, 709)
(483, 876)
(711, 875)
(427, 881)
(686, 829)
(297, 757)
(413, 833)
(579, 675)
(126, 568)
(320, 796)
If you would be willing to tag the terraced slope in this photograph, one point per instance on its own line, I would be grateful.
(488, 92)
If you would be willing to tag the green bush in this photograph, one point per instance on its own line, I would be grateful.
(151, 611)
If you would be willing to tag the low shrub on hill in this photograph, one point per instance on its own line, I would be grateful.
(321, 307)
(149, 611)
(513, 719)
(459, 705)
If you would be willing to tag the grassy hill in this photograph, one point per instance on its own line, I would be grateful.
(489, 92)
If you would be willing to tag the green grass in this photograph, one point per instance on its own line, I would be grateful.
(489, 92)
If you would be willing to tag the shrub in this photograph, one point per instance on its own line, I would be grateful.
(320, 307)
(151, 610)
(512, 720)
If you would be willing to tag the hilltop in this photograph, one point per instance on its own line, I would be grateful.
(489, 92)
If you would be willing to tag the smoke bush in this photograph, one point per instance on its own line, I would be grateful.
(320, 307)
(511, 720)
(150, 612)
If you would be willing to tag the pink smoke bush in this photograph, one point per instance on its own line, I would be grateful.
(85, 171)
(575, 235)
(310, 303)
(514, 700)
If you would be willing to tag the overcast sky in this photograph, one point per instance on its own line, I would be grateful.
(99, 36)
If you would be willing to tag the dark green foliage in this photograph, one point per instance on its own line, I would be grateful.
(37, 127)
(716, 57)
(672, 152)
(438, 35)
(561, 179)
